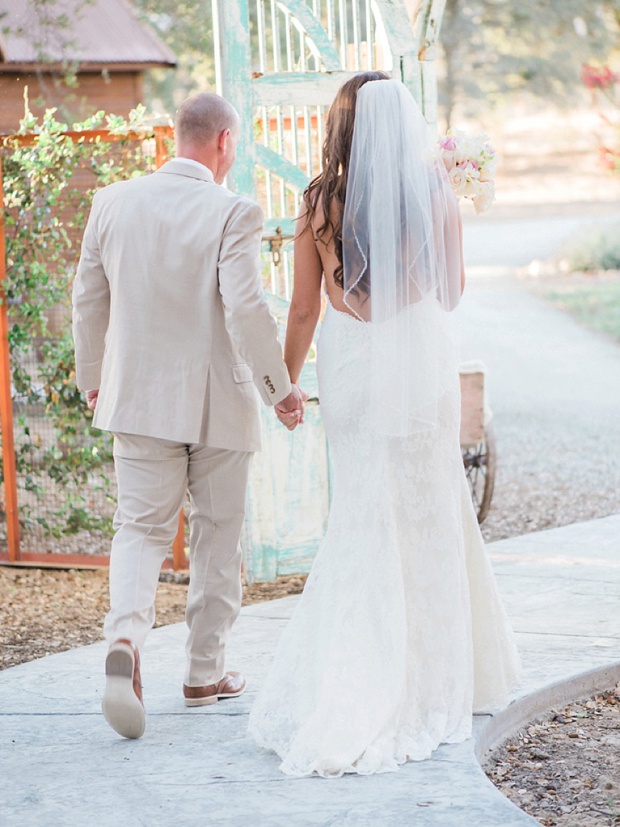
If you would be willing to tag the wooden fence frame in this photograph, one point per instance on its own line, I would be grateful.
(14, 555)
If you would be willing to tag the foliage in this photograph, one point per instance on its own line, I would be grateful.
(47, 188)
(604, 89)
(493, 48)
(595, 304)
(591, 290)
(186, 26)
(598, 250)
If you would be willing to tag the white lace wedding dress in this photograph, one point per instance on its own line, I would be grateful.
(400, 632)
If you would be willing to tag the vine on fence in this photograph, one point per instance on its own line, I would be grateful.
(48, 188)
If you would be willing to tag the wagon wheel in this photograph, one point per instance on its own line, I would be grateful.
(479, 462)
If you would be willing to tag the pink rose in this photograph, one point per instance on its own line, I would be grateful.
(448, 142)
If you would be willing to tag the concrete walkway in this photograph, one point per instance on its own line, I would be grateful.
(61, 765)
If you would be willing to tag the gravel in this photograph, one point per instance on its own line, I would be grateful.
(564, 769)
(552, 472)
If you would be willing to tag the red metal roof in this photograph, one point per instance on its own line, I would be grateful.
(92, 32)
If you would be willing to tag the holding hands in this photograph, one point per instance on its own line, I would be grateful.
(290, 410)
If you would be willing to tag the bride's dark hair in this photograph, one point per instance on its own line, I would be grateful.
(330, 186)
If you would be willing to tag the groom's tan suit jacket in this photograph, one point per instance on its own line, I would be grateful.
(169, 318)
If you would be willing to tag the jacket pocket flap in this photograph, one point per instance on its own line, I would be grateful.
(242, 373)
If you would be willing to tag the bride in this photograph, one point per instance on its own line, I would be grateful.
(400, 633)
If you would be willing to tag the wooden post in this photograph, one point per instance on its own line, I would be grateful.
(6, 403)
(426, 26)
(161, 151)
(231, 35)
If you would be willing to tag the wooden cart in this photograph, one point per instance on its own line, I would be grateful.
(477, 438)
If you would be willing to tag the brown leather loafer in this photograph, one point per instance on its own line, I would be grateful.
(231, 686)
(122, 704)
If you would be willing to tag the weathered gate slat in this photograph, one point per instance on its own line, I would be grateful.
(301, 88)
(312, 26)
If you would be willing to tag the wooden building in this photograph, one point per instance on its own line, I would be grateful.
(102, 41)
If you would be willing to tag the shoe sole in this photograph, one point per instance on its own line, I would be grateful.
(121, 706)
(212, 699)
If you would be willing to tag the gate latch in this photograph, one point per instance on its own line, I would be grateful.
(275, 246)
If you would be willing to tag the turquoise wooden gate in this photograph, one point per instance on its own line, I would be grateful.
(280, 62)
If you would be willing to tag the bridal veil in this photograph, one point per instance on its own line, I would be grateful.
(401, 257)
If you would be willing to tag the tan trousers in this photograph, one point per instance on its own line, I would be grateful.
(153, 477)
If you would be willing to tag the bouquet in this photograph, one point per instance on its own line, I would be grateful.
(470, 162)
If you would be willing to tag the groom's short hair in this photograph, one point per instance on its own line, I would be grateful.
(203, 117)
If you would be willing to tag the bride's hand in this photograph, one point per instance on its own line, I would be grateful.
(290, 411)
(289, 420)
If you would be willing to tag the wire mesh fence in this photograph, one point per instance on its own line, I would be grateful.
(59, 467)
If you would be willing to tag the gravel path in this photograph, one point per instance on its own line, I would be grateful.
(554, 389)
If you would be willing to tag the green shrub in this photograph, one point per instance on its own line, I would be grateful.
(596, 250)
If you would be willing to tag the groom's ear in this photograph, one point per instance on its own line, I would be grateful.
(222, 142)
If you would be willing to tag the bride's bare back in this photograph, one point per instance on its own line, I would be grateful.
(325, 249)
(315, 265)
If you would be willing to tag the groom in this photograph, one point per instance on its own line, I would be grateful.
(172, 339)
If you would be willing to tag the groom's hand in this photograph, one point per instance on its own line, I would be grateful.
(290, 410)
(91, 399)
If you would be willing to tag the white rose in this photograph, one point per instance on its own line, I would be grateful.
(472, 172)
(484, 197)
(458, 180)
(489, 166)
(481, 138)
(461, 155)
